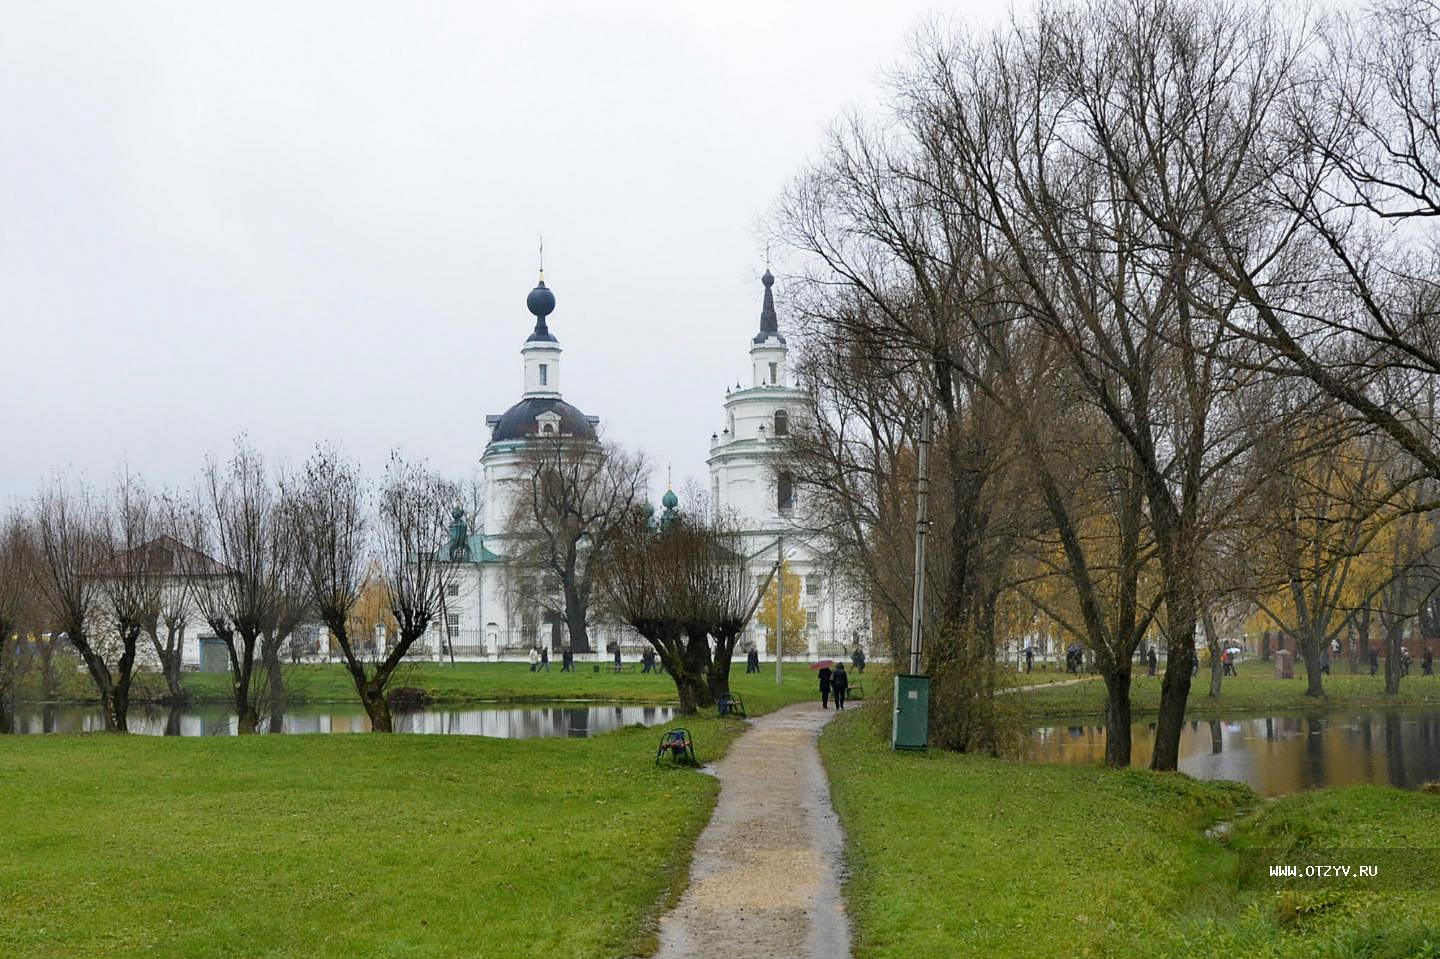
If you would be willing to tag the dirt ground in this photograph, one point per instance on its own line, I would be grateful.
(765, 881)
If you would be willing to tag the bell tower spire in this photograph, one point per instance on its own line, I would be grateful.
(541, 350)
(767, 348)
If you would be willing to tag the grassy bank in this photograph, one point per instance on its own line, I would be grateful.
(481, 682)
(1255, 690)
(964, 855)
(305, 846)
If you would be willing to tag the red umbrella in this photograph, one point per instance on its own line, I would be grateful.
(822, 664)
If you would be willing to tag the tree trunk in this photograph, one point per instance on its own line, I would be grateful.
(1117, 717)
(120, 704)
(49, 682)
(1212, 643)
(1175, 687)
(687, 669)
(719, 675)
(242, 666)
(575, 621)
(1310, 653)
(107, 710)
(377, 707)
(274, 676)
(1394, 632)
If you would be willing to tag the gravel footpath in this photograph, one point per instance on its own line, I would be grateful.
(765, 880)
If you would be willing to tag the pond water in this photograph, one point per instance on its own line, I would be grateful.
(503, 722)
(1278, 755)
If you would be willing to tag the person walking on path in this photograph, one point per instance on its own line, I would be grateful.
(618, 664)
(1029, 658)
(1325, 660)
(1374, 660)
(534, 659)
(825, 687)
(839, 682)
(1427, 663)
(1151, 661)
(567, 660)
(545, 660)
(752, 660)
(857, 659)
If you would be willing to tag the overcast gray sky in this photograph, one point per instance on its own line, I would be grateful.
(318, 221)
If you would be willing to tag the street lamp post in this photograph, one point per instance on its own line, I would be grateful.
(911, 724)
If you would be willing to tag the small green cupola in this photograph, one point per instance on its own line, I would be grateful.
(670, 501)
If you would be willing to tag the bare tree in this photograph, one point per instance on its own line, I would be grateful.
(897, 269)
(684, 585)
(17, 571)
(70, 531)
(239, 521)
(344, 551)
(570, 499)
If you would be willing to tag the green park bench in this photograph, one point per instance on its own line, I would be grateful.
(731, 705)
(679, 745)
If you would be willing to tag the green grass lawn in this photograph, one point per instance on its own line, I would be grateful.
(954, 855)
(344, 846)
(1255, 690)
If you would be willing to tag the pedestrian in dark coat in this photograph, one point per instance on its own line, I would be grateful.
(838, 684)
(1374, 660)
(1151, 661)
(825, 687)
(752, 660)
(1427, 663)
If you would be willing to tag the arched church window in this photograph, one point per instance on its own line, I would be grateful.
(782, 423)
(547, 429)
(784, 492)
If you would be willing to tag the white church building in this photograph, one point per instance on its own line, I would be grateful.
(749, 481)
(489, 618)
(487, 615)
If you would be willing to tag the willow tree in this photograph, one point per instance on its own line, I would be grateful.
(684, 585)
(348, 549)
(17, 571)
(69, 533)
(239, 520)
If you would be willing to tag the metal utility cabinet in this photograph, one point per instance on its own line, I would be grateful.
(911, 729)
